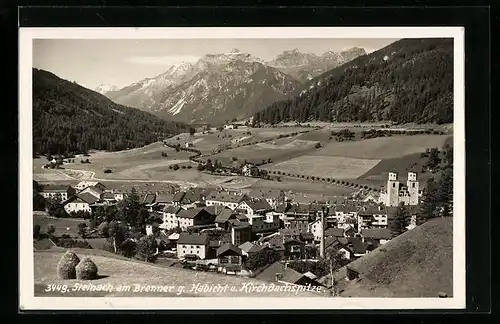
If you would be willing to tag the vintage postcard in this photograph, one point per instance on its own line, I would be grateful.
(292, 168)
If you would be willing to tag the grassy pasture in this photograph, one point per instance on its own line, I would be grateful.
(418, 263)
(335, 167)
(61, 224)
(118, 271)
(279, 150)
(383, 147)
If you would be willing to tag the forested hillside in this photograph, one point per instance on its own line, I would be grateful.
(410, 80)
(68, 118)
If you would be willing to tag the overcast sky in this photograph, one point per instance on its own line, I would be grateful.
(120, 62)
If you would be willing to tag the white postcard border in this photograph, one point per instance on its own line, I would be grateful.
(27, 300)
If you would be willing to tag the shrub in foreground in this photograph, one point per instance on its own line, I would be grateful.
(86, 270)
(66, 268)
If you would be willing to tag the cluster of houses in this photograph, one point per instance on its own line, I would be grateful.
(247, 223)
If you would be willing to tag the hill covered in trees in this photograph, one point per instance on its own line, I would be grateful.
(68, 118)
(410, 80)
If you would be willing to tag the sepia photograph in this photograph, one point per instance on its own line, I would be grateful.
(287, 167)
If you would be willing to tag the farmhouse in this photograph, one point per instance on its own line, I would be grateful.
(80, 202)
(377, 235)
(316, 228)
(194, 217)
(282, 273)
(163, 200)
(230, 258)
(170, 219)
(253, 207)
(372, 216)
(225, 198)
(223, 215)
(192, 245)
(85, 184)
(61, 192)
(94, 191)
(272, 196)
(341, 246)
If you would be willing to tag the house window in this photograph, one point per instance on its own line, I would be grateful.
(394, 185)
(235, 259)
(223, 260)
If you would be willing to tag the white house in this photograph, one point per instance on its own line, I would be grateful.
(94, 191)
(228, 199)
(254, 206)
(316, 228)
(61, 192)
(84, 184)
(170, 219)
(192, 245)
(80, 202)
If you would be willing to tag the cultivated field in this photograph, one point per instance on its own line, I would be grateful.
(120, 271)
(279, 150)
(383, 147)
(207, 142)
(335, 167)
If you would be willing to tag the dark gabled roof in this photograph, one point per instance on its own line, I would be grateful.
(246, 246)
(164, 198)
(229, 247)
(108, 195)
(345, 208)
(376, 233)
(195, 239)
(225, 215)
(191, 213)
(55, 187)
(86, 197)
(178, 197)
(281, 208)
(171, 209)
(307, 236)
(298, 209)
(149, 198)
(371, 209)
(332, 242)
(288, 274)
(192, 196)
(229, 197)
(334, 232)
(237, 224)
(358, 246)
(258, 204)
(242, 217)
(289, 231)
(257, 248)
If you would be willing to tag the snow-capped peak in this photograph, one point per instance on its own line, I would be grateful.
(103, 88)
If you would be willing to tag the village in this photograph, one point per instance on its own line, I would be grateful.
(263, 234)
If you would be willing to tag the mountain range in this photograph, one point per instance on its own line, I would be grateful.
(410, 80)
(221, 87)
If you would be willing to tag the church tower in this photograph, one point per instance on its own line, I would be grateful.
(392, 195)
(412, 184)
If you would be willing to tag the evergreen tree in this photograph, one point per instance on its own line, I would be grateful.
(400, 221)
(429, 201)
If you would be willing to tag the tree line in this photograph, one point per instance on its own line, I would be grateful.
(68, 118)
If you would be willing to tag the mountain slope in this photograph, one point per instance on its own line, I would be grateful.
(410, 80)
(70, 118)
(305, 66)
(417, 263)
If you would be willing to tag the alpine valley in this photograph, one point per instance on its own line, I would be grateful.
(221, 87)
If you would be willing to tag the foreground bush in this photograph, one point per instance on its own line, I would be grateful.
(66, 268)
(86, 270)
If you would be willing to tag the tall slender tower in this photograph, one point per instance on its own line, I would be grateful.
(392, 195)
(412, 184)
(322, 237)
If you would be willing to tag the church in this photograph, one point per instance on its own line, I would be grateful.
(396, 192)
